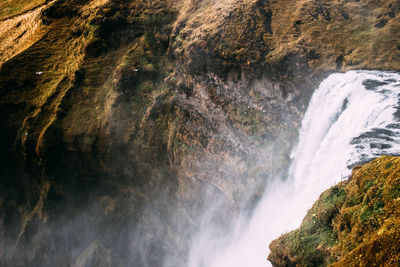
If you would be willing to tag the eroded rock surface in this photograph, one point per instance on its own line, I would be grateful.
(121, 121)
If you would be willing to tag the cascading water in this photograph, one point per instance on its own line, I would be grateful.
(352, 118)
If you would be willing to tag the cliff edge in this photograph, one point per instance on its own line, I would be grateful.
(355, 223)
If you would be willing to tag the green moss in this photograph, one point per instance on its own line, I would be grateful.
(368, 185)
(370, 213)
(92, 31)
(329, 204)
(308, 243)
(389, 165)
(352, 220)
(335, 197)
(16, 7)
(353, 201)
(394, 189)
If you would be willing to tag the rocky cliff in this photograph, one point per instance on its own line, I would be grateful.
(355, 223)
(121, 121)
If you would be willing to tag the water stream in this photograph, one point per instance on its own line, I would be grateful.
(352, 118)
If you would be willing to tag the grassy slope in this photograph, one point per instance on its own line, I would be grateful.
(356, 223)
(288, 35)
(10, 8)
(331, 29)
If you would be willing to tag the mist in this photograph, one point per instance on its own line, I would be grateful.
(351, 119)
(348, 121)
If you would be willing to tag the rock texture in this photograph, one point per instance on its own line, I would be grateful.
(121, 121)
(355, 223)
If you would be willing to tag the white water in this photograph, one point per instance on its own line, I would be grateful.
(350, 119)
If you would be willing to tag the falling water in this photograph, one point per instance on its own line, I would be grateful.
(352, 118)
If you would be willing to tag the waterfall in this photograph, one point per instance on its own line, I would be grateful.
(352, 118)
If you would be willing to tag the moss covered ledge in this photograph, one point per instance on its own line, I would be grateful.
(355, 223)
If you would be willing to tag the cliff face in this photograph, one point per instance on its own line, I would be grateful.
(355, 223)
(121, 121)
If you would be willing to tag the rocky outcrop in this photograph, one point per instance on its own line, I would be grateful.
(355, 223)
(121, 121)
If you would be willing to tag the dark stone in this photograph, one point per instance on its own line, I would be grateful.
(59, 10)
(371, 85)
(96, 47)
(393, 126)
(339, 62)
(375, 133)
(381, 23)
(344, 14)
(79, 76)
(108, 26)
(322, 11)
(380, 146)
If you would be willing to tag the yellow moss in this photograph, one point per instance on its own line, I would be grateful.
(9, 8)
(366, 222)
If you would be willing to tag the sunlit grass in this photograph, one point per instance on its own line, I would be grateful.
(355, 223)
(9, 8)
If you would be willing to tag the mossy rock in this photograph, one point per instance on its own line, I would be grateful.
(355, 223)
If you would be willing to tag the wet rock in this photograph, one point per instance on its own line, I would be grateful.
(381, 23)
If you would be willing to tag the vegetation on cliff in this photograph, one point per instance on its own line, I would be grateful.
(355, 223)
(120, 115)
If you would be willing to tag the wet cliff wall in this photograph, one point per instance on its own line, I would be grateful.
(121, 121)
